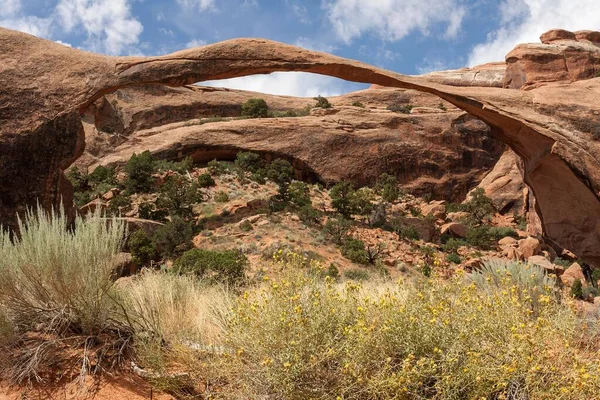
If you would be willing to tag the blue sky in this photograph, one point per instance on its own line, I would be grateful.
(408, 36)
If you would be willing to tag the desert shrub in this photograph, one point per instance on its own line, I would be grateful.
(175, 236)
(248, 161)
(221, 197)
(479, 236)
(528, 279)
(148, 210)
(479, 206)
(217, 168)
(178, 195)
(139, 169)
(218, 266)
(354, 250)
(453, 244)
(79, 179)
(180, 167)
(362, 201)
(577, 289)
(337, 229)
(103, 175)
(342, 198)
(246, 226)
(299, 194)
(299, 337)
(60, 282)
(387, 187)
(400, 108)
(118, 204)
(499, 232)
(322, 102)
(206, 180)
(562, 262)
(358, 104)
(281, 173)
(408, 232)
(378, 216)
(255, 108)
(453, 258)
(332, 271)
(141, 247)
(309, 215)
(357, 274)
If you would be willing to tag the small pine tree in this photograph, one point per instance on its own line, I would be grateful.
(322, 102)
(139, 171)
(255, 108)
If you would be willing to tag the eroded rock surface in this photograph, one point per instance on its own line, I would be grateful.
(46, 87)
(437, 150)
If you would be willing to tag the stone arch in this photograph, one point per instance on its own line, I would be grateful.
(48, 86)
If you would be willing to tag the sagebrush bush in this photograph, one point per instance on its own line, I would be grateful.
(220, 266)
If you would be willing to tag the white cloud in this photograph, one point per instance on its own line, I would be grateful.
(299, 84)
(302, 13)
(109, 25)
(40, 27)
(195, 43)
(315, 45)
(393, 19)
(198, 4)
(9, 8)
(523, 21)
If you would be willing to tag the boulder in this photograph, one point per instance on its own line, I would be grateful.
(455, 229)
(571, 274)
(435, 208)
(530, 247)
(513, 253)
(507, 242)
(542, 262)
(457, 216)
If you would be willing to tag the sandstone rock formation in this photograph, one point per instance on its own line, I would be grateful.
(486, 75)
(562, 56)
(46, 87)
(441, 152)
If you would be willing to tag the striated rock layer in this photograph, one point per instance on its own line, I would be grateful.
(437, 150)
(45, 87)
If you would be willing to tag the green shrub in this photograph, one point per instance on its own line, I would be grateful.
(479, 236)
(355, 251)
(453, 244)
(178, 195)
(358, 104)
(357, 274)
(589, 293)
(337, 229)
(180, 167)
(332, 271)
(453, 258)
(362, 201)
(577, 289)
(499, 232)
(206, 180)
(103, 175)
(322, 102)
(219, 266)
(118, 204)
(595, 275)
(408, 232)
(79, 179)
(281, 173)
(562, 262)
(139, 171)
(299, 194)
(221, 197)
(217, 168)
(479, 206)
(400, 108)
(141, 247)
(309, 215)
(342, 198)
(249, 162)
(175, 236)
(255, 108)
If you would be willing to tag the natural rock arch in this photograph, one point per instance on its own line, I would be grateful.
(45, 87)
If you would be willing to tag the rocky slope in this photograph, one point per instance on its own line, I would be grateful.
(430, 150)
(48, 87)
